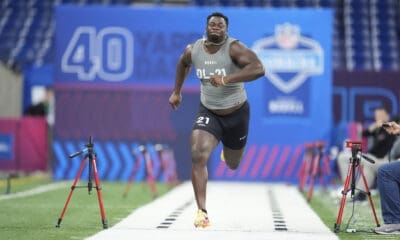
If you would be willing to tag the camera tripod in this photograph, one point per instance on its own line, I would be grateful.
(354, 164)
(91, 155)
(319, 168)
(306, 165)
(168, 165)
(315, 167)
(142, 154)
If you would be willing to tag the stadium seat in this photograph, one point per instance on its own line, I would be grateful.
(365, 32)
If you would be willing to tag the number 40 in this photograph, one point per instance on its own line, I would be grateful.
(107, 54)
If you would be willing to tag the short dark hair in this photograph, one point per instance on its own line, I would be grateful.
(218, 14)
(381, 108)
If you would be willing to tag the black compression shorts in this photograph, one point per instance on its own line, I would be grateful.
(231, 129)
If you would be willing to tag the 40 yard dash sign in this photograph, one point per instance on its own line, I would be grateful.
(105, 54)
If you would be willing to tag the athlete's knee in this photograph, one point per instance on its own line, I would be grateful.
(233, 160)
(233, 165)
(199, 155)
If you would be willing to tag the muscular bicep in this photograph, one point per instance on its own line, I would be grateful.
(186, 58)
(241, 55)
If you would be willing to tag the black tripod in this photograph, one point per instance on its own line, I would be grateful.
(355, 159)
(91, 155)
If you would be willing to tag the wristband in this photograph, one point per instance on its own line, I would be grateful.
(222, 81)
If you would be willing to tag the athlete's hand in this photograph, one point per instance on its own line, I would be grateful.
(218, 81)
(175, 99)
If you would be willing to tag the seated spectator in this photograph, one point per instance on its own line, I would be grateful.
(380, 145)
(394, 153)
(389, 190)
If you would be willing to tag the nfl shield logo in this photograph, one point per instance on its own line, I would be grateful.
(289, 53)
(287, 36)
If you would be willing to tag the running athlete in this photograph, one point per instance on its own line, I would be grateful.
(222, 64)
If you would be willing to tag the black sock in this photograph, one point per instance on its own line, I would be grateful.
(203, 210)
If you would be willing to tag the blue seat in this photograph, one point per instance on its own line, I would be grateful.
(360, 19)
(302, 3)
(328, 3)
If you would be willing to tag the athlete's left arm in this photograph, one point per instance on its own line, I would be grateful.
(247, 60)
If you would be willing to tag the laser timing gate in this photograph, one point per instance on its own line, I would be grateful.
(350, 182)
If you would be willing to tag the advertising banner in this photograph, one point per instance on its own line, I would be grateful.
(23, 144)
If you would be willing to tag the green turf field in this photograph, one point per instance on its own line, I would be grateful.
(327, 207)
(35, 217)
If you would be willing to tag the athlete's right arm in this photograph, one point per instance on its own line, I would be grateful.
(182, 70)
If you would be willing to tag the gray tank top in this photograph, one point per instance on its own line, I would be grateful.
(219, 63)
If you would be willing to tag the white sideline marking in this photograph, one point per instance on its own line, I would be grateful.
(245, 211)
(34, 191)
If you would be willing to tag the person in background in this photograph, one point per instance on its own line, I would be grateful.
(45, 108)
(380, 143)
(388, 180)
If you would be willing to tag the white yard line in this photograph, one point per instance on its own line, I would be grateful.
(237, 211)
(34, 191)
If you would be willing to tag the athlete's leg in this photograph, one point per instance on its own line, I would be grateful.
(233, 157)
(202, 144)
(234, 139)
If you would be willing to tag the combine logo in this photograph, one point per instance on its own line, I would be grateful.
(289, 58)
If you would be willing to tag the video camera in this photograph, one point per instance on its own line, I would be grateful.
(354, 145)
(356, 150)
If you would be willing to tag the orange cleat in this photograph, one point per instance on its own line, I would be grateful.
(201, 219)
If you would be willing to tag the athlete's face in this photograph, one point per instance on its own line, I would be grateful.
(216, 29)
